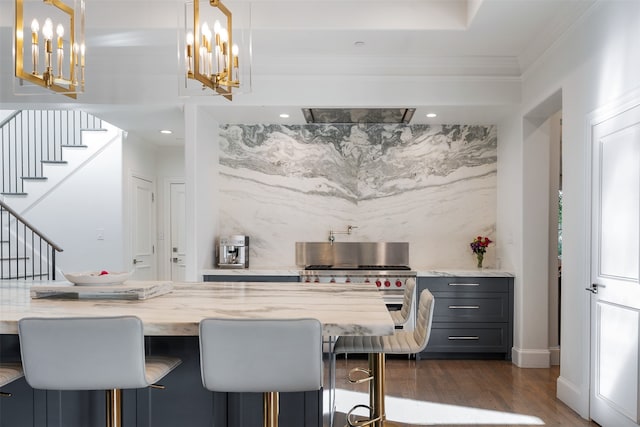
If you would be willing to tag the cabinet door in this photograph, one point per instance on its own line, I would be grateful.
(478, 307)
(468, 338)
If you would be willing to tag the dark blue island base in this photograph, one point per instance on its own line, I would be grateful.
(184, 402)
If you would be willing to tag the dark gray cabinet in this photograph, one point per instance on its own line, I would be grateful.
(472, 318)
(248, 278)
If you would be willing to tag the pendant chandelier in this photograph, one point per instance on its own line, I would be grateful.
(212, 56)
(54, 56)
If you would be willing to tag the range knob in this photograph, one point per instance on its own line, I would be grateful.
(367, 280)
(378, 283)
(307, 279)
(387, 283)
(348, 280)
(398, 283)
(333, 280)
(317, 280)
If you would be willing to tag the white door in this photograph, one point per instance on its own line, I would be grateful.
(143, 229)
(615, 303)
(177, 239)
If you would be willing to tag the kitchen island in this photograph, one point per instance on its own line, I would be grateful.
(171, 328)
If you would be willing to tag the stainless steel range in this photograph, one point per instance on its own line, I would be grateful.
(383, 264)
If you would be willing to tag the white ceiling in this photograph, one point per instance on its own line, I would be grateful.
(463, 59)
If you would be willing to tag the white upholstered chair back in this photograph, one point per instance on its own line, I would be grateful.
(260, 355)
(83, 353)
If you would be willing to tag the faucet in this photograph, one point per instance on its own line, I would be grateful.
(332, 234)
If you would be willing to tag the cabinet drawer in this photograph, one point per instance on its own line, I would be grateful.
(488, 307)
(473, 338)
(465, 284)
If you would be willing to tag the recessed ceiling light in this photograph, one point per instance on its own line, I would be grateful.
(166, 131)
(284, 116)
(359, 43)
(432, 115)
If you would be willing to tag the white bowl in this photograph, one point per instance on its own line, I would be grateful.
(93, 278)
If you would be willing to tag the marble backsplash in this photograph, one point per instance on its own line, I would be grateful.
(433, 186)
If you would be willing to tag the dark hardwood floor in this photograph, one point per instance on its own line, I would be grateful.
(461, 393)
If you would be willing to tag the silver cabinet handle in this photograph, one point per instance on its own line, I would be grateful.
(464, 284)
(463, 338)
(462, 307)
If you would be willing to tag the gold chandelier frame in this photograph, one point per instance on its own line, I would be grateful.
(222, 81)
(60, 84)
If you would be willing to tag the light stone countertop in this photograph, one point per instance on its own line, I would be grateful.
(421, 272)
(354, 309)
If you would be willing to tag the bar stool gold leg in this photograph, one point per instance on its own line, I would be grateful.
(114, 407)
(271, 409)
(377, 390)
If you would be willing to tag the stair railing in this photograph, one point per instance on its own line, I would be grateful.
(29, 139)
(25, 252)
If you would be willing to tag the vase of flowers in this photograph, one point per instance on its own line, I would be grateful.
(479, 247)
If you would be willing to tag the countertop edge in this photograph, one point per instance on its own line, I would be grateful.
(295, 271)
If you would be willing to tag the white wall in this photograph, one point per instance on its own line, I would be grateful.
(201, 158)
(87, 203)
(595, 64)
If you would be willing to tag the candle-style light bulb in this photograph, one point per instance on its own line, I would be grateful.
(206, 34)
(235, 63)
(35, 27)
(47, 32)
(74, 73)
(224, 35)
(202, 54)
(60, 33)
(82, 52)
(47, 29)
(224, 48)
(190, 41)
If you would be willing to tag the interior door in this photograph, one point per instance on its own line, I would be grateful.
(615, 301)
(143, 229)
(177, 240)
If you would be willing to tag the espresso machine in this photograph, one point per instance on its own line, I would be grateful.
(233, 252)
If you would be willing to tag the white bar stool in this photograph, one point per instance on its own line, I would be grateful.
(9, 372)
(401, 317)
(90, 353)
(261, 355)
(401, 342)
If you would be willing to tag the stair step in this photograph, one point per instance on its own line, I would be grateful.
(34, 178)
(54, 162)
(20, 258)
(13, 194)
(28, 276)
(73, 146)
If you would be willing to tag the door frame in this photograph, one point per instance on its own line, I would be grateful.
(165, 265)
(129, 242)
(598, 116)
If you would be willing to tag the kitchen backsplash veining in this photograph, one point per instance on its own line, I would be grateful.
(433, 186)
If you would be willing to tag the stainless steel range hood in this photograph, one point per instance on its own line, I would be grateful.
(358, 115)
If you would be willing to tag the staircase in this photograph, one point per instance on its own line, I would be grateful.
(31, 139)
(25, 253)
(31, 143)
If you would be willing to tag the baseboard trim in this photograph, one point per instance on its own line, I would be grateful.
(570, 395)
(531, 358)
(555, 355)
